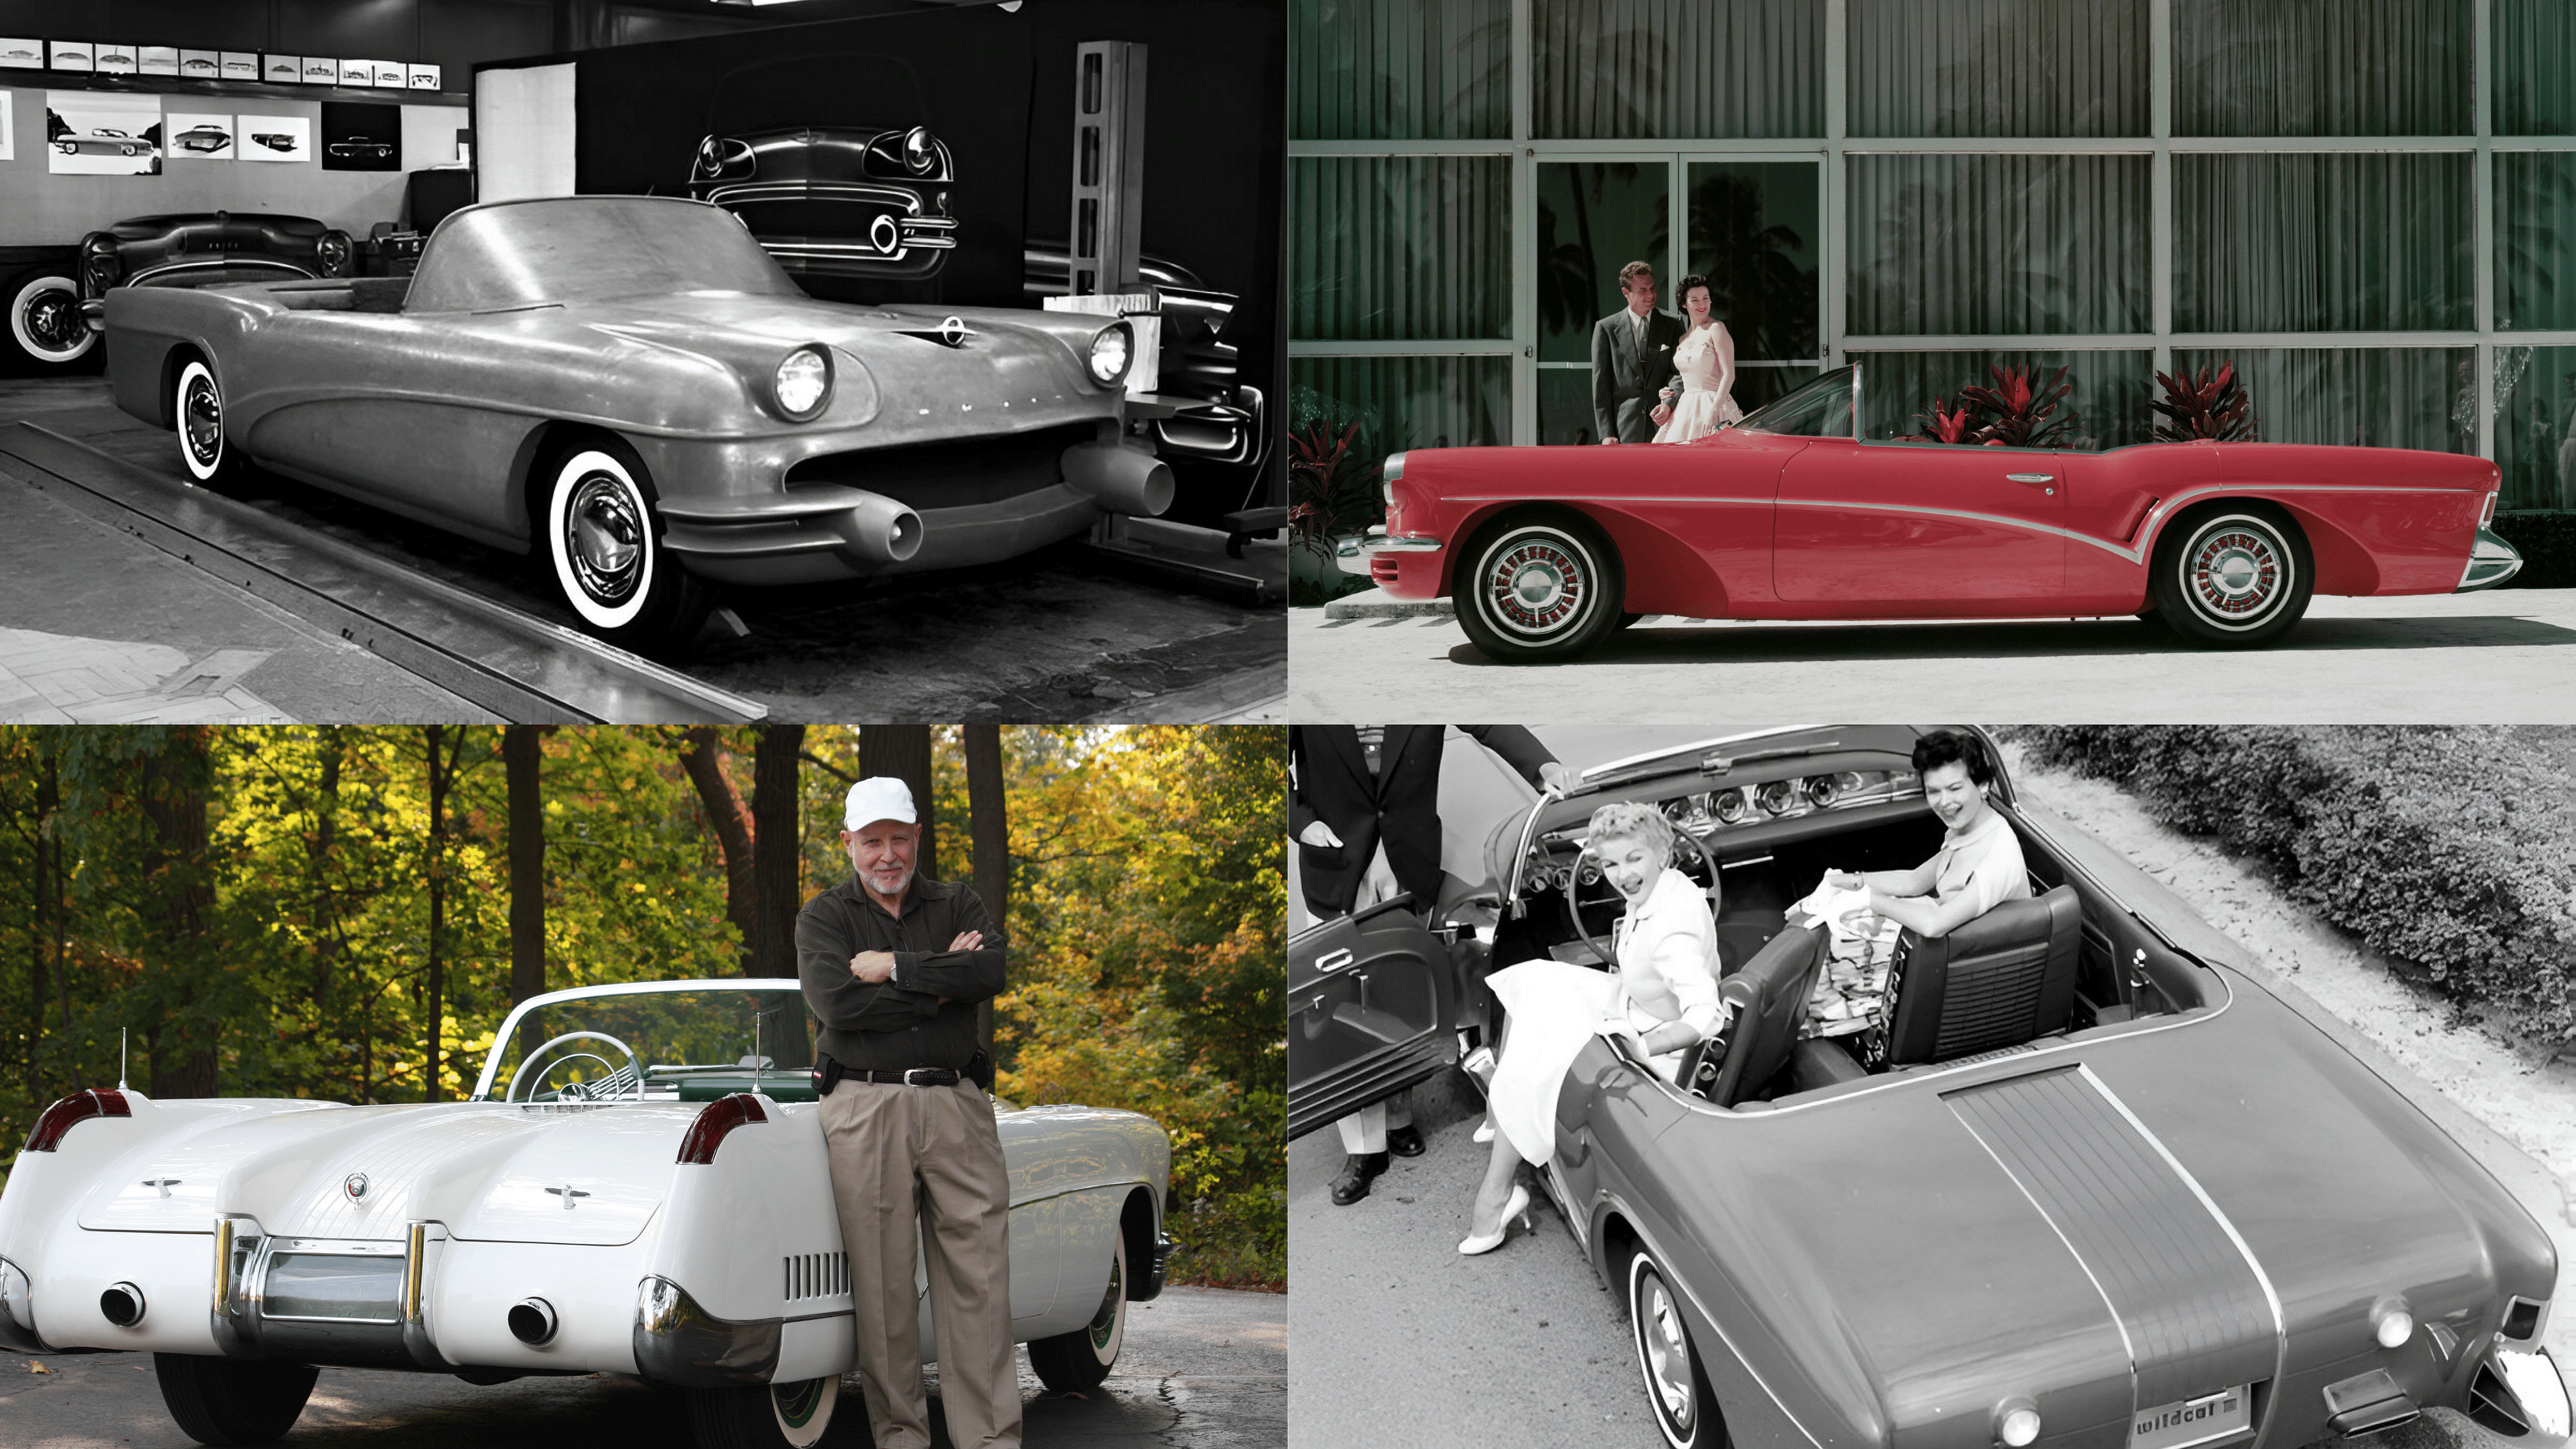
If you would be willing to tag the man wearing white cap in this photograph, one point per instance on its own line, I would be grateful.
(893, 965)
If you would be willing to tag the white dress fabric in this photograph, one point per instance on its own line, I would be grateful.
(1666, 948)
(1701, 407)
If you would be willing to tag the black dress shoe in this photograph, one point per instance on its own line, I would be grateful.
(1358, 1170)
(1404, 1141)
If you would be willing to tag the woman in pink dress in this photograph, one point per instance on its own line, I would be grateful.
(1706, 361)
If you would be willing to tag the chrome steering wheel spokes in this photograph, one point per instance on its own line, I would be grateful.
(578, 1091)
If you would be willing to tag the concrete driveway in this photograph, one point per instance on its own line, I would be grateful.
(2505, 656)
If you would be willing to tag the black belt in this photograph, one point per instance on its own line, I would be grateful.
(909, 1076)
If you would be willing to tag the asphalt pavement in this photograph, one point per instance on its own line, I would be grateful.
(2504, 656)
(1202, 1368)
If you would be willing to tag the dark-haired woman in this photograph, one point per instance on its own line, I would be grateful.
(1705, 358)
(1979, 864)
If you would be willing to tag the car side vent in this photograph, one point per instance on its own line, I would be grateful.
(2521, 1319)
(815, 1275)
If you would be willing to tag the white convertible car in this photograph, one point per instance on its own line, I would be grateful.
(647, 1195)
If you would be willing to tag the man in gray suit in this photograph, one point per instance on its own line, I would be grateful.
(1632, 361)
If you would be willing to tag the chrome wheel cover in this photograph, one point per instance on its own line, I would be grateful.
(1663, 1351)
(1103, 1328)
(201, 421)
(604, 538)
(53, 319)
(2236, 574)
(1537, 584)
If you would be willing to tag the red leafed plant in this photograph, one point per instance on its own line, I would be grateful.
(1942, 425)
(2020, 411)
(1329, 489)
(2202, 405)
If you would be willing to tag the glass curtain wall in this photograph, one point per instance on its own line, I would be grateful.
(2368, 206)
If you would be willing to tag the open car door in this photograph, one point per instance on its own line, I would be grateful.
(1370, 999)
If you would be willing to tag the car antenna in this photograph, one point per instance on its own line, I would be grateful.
(120, 1059)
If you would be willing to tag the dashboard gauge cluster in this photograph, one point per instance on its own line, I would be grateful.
(1708, 814)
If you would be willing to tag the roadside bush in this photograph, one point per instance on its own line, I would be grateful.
(2453, 849)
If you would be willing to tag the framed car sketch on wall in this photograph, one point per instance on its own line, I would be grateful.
(272, 138)
(101, 133)
(321, 70)
(71, 55)
(114, 59)
(282, 69)
(200, 137)
(8, 129)
(160, 60)
(207, 65)
(361, 136)
(239, 65)
(21, 53)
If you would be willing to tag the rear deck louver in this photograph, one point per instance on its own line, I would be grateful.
(816, 1275)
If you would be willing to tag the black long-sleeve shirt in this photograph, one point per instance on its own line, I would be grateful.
(901, 1022)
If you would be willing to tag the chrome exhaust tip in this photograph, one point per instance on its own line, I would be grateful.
(122, 1303)
(533, 1321)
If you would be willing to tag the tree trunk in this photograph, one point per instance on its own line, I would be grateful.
(778, 883)
(173, 798)
(704, 760)
(40, 872)
(990, 827)
(523, 761)
(319, 901)
(903, 751)
(433, 736)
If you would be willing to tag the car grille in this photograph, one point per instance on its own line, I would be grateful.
(956, 474)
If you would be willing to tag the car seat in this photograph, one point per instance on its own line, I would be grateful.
(1769, 996)
(2001, 980)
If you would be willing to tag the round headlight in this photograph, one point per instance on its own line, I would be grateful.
(1111, 349)
(333, 252)
(802, 383)
(2018, 1426)
(920, 153)
(2392, 1322)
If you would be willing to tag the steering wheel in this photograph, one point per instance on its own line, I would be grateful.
(1574, 886)
(632, 1061)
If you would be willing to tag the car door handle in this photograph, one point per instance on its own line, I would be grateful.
(2032, 477)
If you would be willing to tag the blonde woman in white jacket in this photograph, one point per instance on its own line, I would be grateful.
(1661, 994)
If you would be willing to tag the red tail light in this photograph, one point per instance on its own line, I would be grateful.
(720, 1117)
(78, 1107)
(2486, 515)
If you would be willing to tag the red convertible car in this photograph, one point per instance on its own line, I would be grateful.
(1789, 515)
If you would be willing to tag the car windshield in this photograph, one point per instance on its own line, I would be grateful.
(1821, 409)
(695, 1043)
(585, 248)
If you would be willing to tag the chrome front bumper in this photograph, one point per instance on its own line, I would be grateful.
(2491, 562)
(1352, 552)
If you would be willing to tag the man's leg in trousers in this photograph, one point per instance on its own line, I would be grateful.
(868, 1134)
(1364, 1130)
(966, 1226)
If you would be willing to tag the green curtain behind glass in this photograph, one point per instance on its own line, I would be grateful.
(2535, 239)
(2311, 242)
(1399, 69)
(1403, 402)
(1998, 244)
(1679, 69)
(2371, 397)
(2109, 400)
(2535, 68)
(1399, 247)
(2323, 68)
(1998, 68)
(2536, 429)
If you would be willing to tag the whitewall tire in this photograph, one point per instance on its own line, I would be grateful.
(2234, 577)
(766, 1416)
(1676, 1387)
(1541, 588)
(45, 321)
(197, 412)
(604, 543)
(1080, 1360)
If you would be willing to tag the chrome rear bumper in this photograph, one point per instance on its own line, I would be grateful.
(2491, 562)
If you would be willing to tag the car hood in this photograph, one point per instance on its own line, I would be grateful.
(2034, 1226)
(483, 1169)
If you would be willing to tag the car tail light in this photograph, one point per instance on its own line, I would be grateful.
(78, 1107)
(720, 1117)
(2486, 517)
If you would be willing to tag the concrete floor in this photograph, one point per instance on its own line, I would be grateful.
(2503, 656)
(1055, 636)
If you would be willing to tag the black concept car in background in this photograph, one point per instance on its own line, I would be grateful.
(631, 389)
(838, 201)
(47, 301)
(2078, 1180)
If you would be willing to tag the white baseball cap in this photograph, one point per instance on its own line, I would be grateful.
(878, 797)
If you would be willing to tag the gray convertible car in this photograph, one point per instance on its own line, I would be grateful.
(631, 389)
(2078, 1180)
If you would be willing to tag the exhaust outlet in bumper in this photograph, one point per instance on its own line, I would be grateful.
(1120, 479)
(878, 530)
(121, 1304)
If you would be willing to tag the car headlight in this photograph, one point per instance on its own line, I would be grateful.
(2391, 1322)
(803, 383)
(920, 153)
(1112, 348)
(333, 252)
(2017, 1422)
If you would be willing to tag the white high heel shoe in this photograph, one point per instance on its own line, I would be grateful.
(1516, 1206)
(1484, 1132)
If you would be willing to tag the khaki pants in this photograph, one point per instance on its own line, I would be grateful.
(893, 1148)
